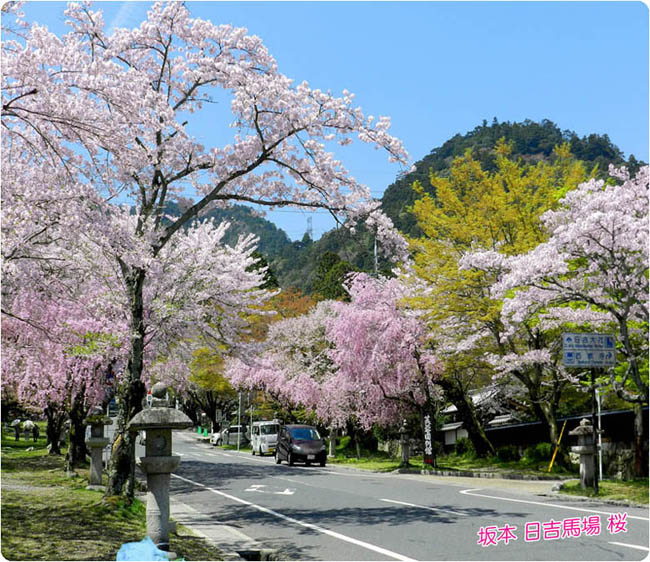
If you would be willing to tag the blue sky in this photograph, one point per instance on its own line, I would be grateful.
(440, 68)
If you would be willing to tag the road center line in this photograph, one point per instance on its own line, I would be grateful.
(334, 534)
(422, 506)
(630, 545)
(468, 493)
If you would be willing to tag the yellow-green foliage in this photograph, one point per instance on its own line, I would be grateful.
(473, 209)
(207, 372)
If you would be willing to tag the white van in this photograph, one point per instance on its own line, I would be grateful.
(264, 437)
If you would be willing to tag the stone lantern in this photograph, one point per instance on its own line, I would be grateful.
(585, 448)
(96, 443)
(158, 463)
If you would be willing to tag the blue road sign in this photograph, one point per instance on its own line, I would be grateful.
(588, 350)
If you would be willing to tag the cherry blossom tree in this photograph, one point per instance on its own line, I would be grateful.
(364, 362)
(116, 110)
(380, 353)
(294, 366)
(295, 369)
(58, 357)
(592, 271)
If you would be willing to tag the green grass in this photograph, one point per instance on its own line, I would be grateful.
(382, 462)
(47, 515)
(376, 464)
(377, 461)
(493, 464)
(246, 447)
(631, 490)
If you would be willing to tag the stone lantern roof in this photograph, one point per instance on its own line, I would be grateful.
(160, 415)
(585, 428)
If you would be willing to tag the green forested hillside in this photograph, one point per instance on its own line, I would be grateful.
(243, 220)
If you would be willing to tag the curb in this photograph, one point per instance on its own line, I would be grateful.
(555, 493)
(621, 503)
(476, 474)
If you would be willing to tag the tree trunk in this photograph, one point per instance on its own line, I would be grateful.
(77, 451)
(188, 407)
(545, 409)
(640, 462)
(131, 394)
(467, 414)
(546, 413)
(121, 470)
(55, 420)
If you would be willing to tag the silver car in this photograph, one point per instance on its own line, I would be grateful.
(235, 434)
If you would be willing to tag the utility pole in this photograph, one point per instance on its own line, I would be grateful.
(594, 423)
(599, 400)
(239, 423)
(376, 263)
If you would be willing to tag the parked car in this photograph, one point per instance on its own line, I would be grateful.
(300, 443)
(235, 434)
(264, 437)
(216, 438)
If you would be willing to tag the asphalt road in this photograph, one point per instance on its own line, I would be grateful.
(334, 513)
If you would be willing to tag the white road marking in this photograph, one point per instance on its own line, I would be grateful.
(328, 532)
(421, 506)
(255, 488)
(630, 545)
(258, 488)
(468, 493)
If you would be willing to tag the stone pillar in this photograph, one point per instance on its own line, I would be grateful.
(96, 443)
(158, 462)
(404, 444)
(334, 433)
(585, 448)
(158, 471)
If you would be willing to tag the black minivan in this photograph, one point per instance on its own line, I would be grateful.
(300, 443)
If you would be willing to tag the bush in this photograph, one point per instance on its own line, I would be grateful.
(539, 452)
(508, 453)
(464, 447)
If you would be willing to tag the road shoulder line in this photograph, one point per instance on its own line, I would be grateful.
(630, 545)
(470, 490)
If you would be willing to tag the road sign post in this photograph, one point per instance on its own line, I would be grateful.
(593, 351)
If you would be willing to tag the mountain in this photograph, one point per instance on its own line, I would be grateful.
(531, 141)
(297, 263)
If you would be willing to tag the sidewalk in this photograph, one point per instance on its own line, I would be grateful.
(234, 544)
